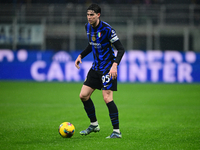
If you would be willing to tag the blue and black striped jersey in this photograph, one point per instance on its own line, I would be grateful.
(100, 39)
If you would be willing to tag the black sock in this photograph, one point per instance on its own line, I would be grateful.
(90, 110)
(113, 112)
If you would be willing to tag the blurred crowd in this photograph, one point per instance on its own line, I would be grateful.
(102, 1)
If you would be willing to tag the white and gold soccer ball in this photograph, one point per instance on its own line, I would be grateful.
(66, 130)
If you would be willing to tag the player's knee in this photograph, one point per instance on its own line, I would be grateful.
(107, 99)
(107, 96)
(83, 97)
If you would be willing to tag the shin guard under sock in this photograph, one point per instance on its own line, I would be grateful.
(90, 110)
(113, 112)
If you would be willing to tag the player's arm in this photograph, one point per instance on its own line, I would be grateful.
(120, 53)
(82, 55)
(86, 51)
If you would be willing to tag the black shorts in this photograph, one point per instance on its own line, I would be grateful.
(100, 81)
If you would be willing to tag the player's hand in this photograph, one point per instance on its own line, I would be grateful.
(78, 61)
(113, 71)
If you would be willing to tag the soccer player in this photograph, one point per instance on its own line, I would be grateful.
(103, 73)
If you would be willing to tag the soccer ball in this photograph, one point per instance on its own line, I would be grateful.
(66, 129)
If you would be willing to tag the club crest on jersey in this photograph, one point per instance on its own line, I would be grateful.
(93, 38)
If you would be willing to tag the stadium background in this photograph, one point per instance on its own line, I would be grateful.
(158, 95)
(162, 35)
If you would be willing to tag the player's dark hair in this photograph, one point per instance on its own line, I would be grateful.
(94, 7)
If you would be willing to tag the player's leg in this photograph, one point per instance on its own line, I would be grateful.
(110, 85)
(85, 94)
(113, 113)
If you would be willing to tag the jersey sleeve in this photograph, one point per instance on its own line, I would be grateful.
(120, 50)
(87, 50)
(112, 36)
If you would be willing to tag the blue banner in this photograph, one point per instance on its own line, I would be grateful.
(136, 66)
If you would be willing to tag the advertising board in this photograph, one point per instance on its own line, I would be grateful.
(136, 66)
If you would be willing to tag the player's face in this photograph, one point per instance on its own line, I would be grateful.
(93, 18)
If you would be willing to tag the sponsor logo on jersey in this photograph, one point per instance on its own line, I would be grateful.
(96, 45)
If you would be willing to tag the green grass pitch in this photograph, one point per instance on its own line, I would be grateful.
(152, 117)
